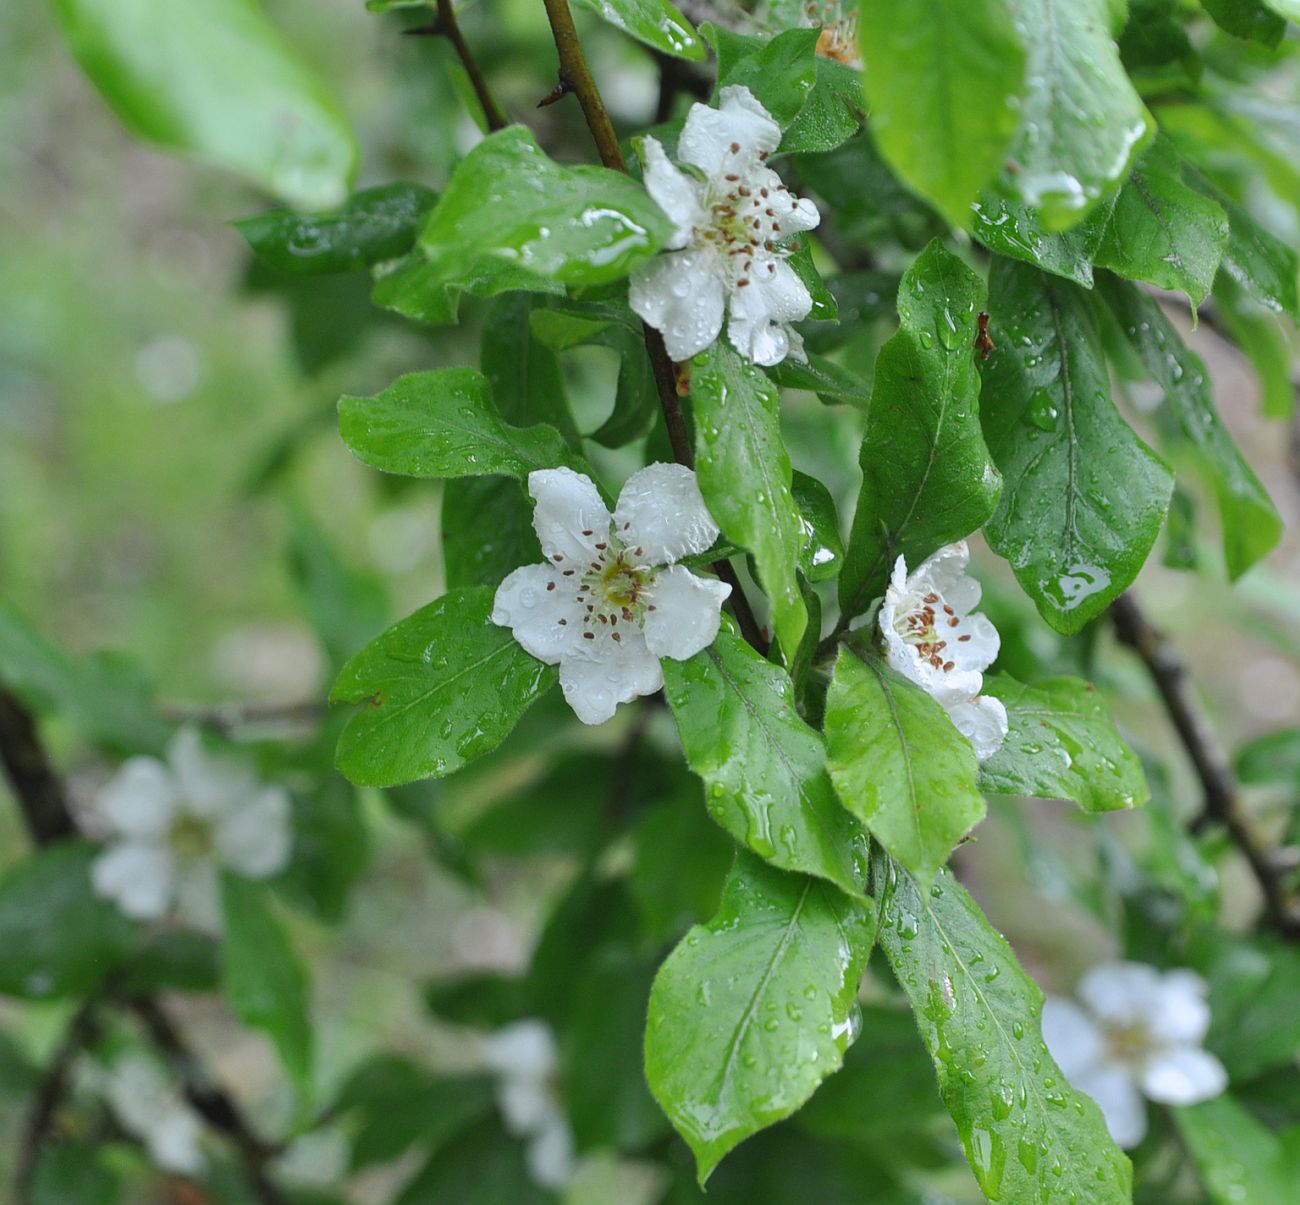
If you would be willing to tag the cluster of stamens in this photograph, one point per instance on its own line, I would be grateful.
(614, 587)
(921, 631)
(190, 836)
(744, 224)
(839, 36)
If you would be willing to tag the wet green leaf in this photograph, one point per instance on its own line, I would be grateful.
(1062, 744)
(487, 530)
(1085, 497)
(1263, 335)
(899, 765)
(1238, 1159)
(525, 377)
(657, 23)
(763, 767)
(943, 78)
(831, 382)
(1013, 228)
(824, 551)
(442, 687)
(780, 71)
(1251, 19)
(753, 1010)
(1029, 1137)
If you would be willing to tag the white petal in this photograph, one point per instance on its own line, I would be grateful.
(662, 511)
(1121, 1103)
(174, 1142)
(760, 312)
(976, 653)
(673, 191)
(255, 840)
(209, 783)
(137, 876)
(982, 721)
(1184, 1075)
(1072, 1037)
(1182, 1014)
(595, 686)
(532, 601)
(740, 120)
(198, 888)
(140, 799)
(943, 571)
(523, 1049)
(568, 504)
(681, 296)
(525, 1104)
(688, 610)
(1121, 994)
(550, 1154)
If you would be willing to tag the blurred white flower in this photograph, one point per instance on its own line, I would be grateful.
(932, 637)
(1138, 1033)
(177, 824)
(610, 601)
(149, 1106)
(315, 1160)
(727, 252)
(525, 1061)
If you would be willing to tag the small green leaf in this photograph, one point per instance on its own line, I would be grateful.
(1029, 1137)
(216, 81)
(899, 765)
(487, 530)
(444, 686)
(1237, 1157)
(1251, 524)
(373, 225)
(444, 424)
(831, 382)
(264, 979)
(752, 1011)
(1062, 744)
(527, 383)
(1014, 229)
(927, 478)
(745, 474)
(1271, 758)
(657, 23)
(831, 115)
(943, 78)
(1162, 231)
(824, 550)
(1250, 19)
(1085, 497)
(763, 767)
(672, 892)
(417, 289)
(484, 1166)
(1263, 335)
(779, 71)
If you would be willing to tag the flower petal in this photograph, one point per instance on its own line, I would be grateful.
(1121, 1104)
(739, 121)
(568, 505)
(1183, 1075)
(1073, 1038)
(793, 214)
(140, 799)
(943, 572)
(209, 783)
(255, 839)
(174, 1141)
(982, 721)
(540, 605)
(761, 310)
(662, 512)
(198, 891)
(594, 686)
(1182, 1015)
(549, 1155)
(681, 296)
(688, 610)
(673, 191)
(523, 1049)
(1121, 994)
(139, 877)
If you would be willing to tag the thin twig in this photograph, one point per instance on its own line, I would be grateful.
(36, 786)
(1223, 803)
(231, 718)
(446, 26)
(576, 75)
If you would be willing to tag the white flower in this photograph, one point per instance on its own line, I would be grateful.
(150, 1107)
(1138, 1033)
(726, 249)
(604, 607)
(176, 824)
(525, 1060)
(932, 638)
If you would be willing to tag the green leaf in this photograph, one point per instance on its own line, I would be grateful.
(331, 848)
(832, 114)
(484, 1166)
(744, 473)
(753, 1010)
(524, 374)
(174, 961)
(69, 1173)
(899, 765)
(763, 767)
(1251, 524)
(1081, 121)
(1156, 36)
(373, 225)
(264, 979)
(416, 288)
(672, 892)
(1029, 1137)
(1062, 744)
(927, 478)
(442, 687)
(443, 424)
(1250, 19)
(57, 937)
(657, 23)
(779, 71)
(487, 530)
(1237, 1158)
(216, 81)
(1162, 231)
(1012, 228)
(824, 550)
(1271, 758)
(1285, 8)
(1084, 497)
(1263, 336)
(831, 382)
(943, 78)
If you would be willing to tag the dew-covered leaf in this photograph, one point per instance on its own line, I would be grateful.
(657, 23)
(1014, 229)
(824, 551)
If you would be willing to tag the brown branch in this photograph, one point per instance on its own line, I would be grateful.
(230, 718)
(36, 787)
(1223, 803)
(446, 26)
(577, 77)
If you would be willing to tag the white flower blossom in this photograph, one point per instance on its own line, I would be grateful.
(932, 637)
(525, 1061)
(726, 253)
(175, 825)
(1138, 1034)
(150, 1107)
(610, 601)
